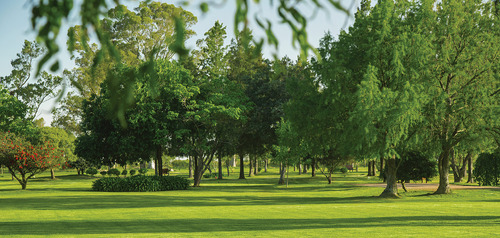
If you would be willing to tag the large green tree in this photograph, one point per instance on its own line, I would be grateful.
(61, 141)
(139, 35)
(33, 91)
(463, 78)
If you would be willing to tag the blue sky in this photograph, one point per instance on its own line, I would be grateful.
(15, 27)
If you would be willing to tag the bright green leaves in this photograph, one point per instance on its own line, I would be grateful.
(32, 91)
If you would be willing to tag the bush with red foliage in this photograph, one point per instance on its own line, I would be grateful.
(24, 160)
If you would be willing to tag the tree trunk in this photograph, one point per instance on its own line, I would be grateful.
(250, 163)
(256, 166)
(156, 166)
(391, 189)
(462, 169)
(266, 162)
(228, 164)
(242, 167)
(220, 169)
(330, 176)
(198, 171)
(444, 171)
(374, 168)
(369, 168)
(403, 185)
(304, 171)
(300, 168)
(233, 161)
(52, 174)
(159, 165)
(190, 166)
(23, 181)
(469, 170)
(282, 174)
(313, 168)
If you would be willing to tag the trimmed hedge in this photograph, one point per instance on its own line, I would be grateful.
(140, 184)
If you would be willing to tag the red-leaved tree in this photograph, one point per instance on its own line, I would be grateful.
(24, 160)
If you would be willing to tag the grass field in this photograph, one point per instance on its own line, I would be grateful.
(255, 207)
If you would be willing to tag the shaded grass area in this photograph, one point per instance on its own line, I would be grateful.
(255, 207)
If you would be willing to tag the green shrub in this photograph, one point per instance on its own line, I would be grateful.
(415, 166)
(343, 170)
(103, 173)
(487, 169)
(140, 184)
(91, 171)
(132, 172)
(206, 175)
(143, 171)
(114, 172)
(124, 172)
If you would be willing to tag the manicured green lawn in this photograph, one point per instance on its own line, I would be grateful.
(256, 207)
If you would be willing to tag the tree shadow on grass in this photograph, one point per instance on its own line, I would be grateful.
(211, 225)
(137, 200)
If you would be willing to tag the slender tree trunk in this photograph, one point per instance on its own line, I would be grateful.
(266, 162)
(156, 166)
(256, 166)
(369, 168)
(469, 170)
(250, 165)
(228, 165)
(403, 185)
(391, 189)
(304, 170)
(23, 181)
(233, 161)
(220, 169)
(313, 168)
(52, 174)
(300, 168)
(282, 174)
(160, 161)
(374, 168)
(330, 171)
(242, 167)
(444, 171)
(190, 166)
(463, 169)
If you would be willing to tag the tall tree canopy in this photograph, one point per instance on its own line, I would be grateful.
(33, 91)
(136, 36)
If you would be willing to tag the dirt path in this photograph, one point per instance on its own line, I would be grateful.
(428, 186)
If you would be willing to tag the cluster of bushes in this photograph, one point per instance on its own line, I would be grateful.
(116, 172)
(487, 169)
(140, 184)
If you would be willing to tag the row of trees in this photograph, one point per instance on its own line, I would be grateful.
(407, 77)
